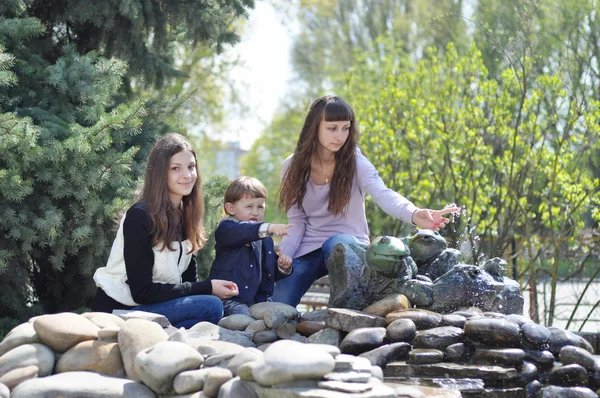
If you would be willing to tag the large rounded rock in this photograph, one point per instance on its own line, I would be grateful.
(393, 302)
(570, 354)
(97, 356)
(17, 376)
(26, 355)
(423, 319)
(19, 335)
(499, 356)
(493, 332)
(62, 331)
(236, 322)
(438, 338)
(137, 335)
(534, 335)
(569, 376)
(158, 365)
(387, 353)
(401, 330)
(286, 360)
(560, 338)
(104, 320)
(565, 392)
(362, 340)
(81, 384)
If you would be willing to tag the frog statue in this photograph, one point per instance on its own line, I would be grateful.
(360, 275)
(430, 252)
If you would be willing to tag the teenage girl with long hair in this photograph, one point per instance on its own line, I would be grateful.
(323, 189)
(151, 266)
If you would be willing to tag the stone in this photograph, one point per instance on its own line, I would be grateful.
(314, 316)
(560, 338)
(423, 356)
(362, 340)
(286, 330)
(392, 302)
(62, 331)
(565, 392)
(13, 378)
(209, 331)
(158, 365)
(384, 354)
(4, 391)
(214, 380)
(245, 371)
(329, 336)
(518, 319)
(453, 320)
(279, 314)
(218, 359)
(19, 335)
(264, 337)
(311, 389)
(137, 335)
(143, 315)
(451, 370)
(499, 356)
(493, 332)
(108, 333)
(459, 352)
(347, 320)
(213, 347)
(236, 388)
(98, 356)
(534, 335)
(286, 360)
(430, 251)
(401, 330)
(346, 362)
(104, 320)
(423, 319)
(341, 386)
(247, 355)
(80, 384)
(27, 355)
(308, 328)
(236, 322)
(569, 376)
(572, 354)
(542, 359)
(256, 326)
(259, 310)
(438, 338)
(190, 381)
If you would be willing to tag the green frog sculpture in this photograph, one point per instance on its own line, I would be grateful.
(360, 275)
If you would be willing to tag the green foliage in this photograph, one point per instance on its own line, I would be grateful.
(214, 192)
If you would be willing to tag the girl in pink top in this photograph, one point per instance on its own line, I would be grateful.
(323, 190)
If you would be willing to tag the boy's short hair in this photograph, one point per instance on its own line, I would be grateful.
(244, 186)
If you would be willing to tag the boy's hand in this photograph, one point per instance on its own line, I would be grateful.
(278, 229)
(284, 261)
(224, 289)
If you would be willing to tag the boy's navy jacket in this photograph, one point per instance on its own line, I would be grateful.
(238, 262)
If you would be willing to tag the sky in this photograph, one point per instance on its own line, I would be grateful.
(263, 75)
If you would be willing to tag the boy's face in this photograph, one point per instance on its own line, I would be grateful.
(247, 209)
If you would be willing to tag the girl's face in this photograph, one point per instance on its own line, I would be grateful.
(182, 176)
(333, 135)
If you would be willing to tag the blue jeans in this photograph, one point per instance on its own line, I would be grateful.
(187, 311)
(231, 307)
(307, 269)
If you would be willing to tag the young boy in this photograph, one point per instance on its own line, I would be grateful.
(244, 249)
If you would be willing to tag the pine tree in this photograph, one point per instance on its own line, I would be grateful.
(72, 145)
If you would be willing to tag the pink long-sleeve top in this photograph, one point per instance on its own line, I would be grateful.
(313, 224)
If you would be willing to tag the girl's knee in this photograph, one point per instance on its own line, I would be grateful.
(345, 239)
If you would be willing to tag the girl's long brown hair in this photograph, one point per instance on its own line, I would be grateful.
(293, 183)
(167, 220)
